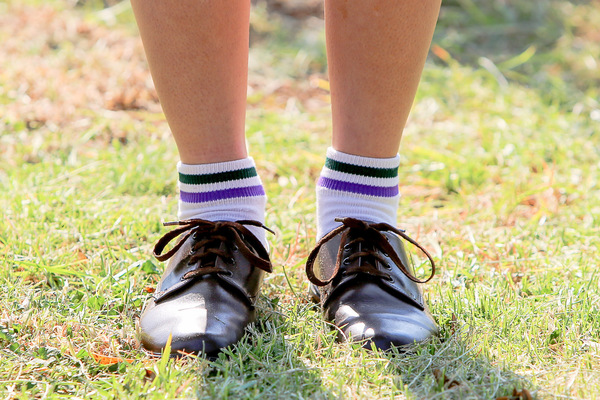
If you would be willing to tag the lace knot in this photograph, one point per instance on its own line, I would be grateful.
(364, 232)
(208, 236)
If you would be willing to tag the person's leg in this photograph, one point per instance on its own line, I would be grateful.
(198, 57)
(376, 52)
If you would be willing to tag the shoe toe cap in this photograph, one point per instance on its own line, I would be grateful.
(192, 326)
(386, 330)
(377, 317)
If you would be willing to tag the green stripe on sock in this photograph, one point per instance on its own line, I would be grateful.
(217, 177)
(360, 170)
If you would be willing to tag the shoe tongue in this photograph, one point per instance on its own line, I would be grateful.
(209, 260)
(361, 246)
(218, 261)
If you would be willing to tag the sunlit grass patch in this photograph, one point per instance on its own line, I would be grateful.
(499, 180)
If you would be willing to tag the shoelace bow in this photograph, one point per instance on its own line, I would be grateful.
(206, 250)
(364, 232)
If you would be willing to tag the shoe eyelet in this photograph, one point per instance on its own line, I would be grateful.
(390, 279)
(234, 248)
(346, 247)
(345, 261)
(232, 261)
(388, 266)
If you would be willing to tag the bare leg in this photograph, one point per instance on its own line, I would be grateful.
(376, 52)
(198, 56)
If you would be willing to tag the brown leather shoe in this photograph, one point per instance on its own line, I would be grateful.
(205, 298)
(366, 286)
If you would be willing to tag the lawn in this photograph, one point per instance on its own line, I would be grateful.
(499, 179)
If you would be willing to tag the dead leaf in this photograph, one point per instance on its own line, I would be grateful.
(184, 386)
(441, 53)
(150, 375)
(109, 360)
(441, 377)
(523, 394)
(81, 255)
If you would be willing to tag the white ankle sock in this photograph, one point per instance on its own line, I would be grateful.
(359, 187)
(224, 191)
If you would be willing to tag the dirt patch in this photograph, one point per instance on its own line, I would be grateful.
(58, 69)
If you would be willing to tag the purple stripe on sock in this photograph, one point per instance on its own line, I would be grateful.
(204, 197)
(379, 191)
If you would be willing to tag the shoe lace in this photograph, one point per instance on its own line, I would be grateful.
(206, 249)
(371, 235)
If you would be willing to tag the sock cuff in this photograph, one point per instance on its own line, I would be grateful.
(362, 176)
(197, 169)
(388, 167)
(209, 183)
(212, 177)
(354, 186)
(223, 191)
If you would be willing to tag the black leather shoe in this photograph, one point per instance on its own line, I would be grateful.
(366, 286)
(205, 298)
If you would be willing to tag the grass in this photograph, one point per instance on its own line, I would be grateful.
(499, 177)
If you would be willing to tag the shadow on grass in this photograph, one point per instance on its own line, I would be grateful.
(290, 356)
(454, 368)
(267, 363)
